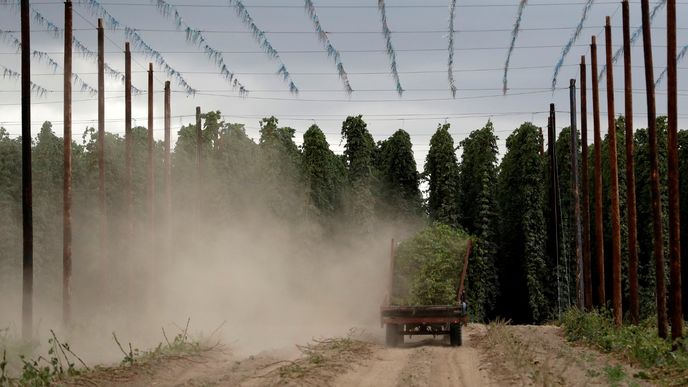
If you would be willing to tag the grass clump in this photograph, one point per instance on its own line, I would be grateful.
(428, 267)
(320, 362)
(637, 344)
(59, 363)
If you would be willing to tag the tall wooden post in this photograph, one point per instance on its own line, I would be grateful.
(67, 194)
(27, 196)
(168, 160)
(599, 239)
(199, 140)
(150, 176)
(658, 239)
(128, 148)
(634, 307)
(199, 169)
(587, 265)
(580, 286)
(614, 184)
(390, 284)
(102, 228)
(554, 194)
(674, 209)
(67, 213)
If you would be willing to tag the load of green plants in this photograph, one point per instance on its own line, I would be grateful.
(428, 267)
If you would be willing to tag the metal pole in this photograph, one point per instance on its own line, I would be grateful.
(587, 265)
(101, 148)
(674, 209)
(634, 307)
(599, 239)
(67, 214)
(27, 196)
(168, 160)
(151, 164)
(580, 299)
(658, 239)
(128, 144)
(614, 184)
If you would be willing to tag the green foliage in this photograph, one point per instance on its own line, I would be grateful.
(524, 273)
(683, 202)
(646, 264)
(637, 343)
(323, 171)
(478, 209)
(442, 174)
(59, 363)
(400, 195)
(359, 150)
(428, 267)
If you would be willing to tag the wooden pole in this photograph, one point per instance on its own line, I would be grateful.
(587, 265)
(658, 239)
(128, 145)
(199, 140)
(150, 176)
(614, 184)
(101, 150)
(674, 208)
(199, 170)
(390, 284)
(27, 195)
(580, 286)
(634, 307)
(554, 191)
(168, 160)
(599, 239)
(67, 213)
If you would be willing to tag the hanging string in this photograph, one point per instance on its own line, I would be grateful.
(11, 74)
(514, 35)
(390, 49)
(636, 34)
(96, 9)
(331, 51)
(450, 62)
(196, 37)
(260, 36)
(569, 44)
(679, 57)
(58, 33)
(48, 60)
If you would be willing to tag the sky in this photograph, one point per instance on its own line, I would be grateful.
(419, 35)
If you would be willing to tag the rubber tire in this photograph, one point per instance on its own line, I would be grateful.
(392, 336)
(455, 335)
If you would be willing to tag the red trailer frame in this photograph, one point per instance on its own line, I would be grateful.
(433, 320)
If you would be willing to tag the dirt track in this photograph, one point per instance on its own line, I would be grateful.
(495, 355)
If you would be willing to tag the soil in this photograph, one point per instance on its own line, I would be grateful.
(491, 355)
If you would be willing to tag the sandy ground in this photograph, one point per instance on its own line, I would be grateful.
(494, 355)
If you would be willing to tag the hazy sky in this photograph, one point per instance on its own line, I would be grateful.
(419, 34)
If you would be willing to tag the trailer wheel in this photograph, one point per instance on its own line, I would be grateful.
(455, 335)
(393, 336)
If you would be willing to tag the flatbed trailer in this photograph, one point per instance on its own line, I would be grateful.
(435, 320)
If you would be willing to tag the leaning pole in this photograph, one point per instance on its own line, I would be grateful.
(658, 239)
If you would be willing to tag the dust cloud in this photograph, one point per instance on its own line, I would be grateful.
(249, 262)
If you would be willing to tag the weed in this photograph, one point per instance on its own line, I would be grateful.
(638, 344)
(61, 362)
(615, 374)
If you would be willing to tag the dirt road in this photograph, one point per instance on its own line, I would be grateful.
(494, 355)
